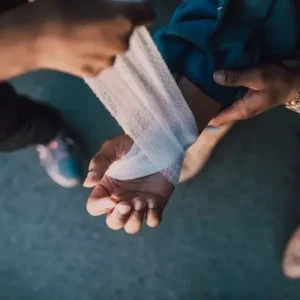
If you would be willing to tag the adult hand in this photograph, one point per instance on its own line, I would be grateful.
(126, 203)
(268, 86)
(83, 37)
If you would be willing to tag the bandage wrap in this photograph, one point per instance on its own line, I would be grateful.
(141, 94)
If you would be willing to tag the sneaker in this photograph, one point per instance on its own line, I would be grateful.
(61, 161)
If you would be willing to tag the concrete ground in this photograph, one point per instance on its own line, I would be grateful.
(222, 236)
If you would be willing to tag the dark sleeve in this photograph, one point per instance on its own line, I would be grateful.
(207, 35)
(10, 4)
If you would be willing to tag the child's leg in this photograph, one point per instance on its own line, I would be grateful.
(25, 122)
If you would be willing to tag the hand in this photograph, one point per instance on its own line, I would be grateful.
(126, 203)
(291, 260)
(83, 37)
(268, 86)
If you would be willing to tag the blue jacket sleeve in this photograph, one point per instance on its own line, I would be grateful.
(206, 35)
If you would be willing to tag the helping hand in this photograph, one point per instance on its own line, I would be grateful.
(268, 86)
(126, 203)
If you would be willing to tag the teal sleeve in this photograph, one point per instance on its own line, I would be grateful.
(207, 35)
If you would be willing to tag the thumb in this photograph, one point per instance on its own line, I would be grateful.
(111, 151)
(236, 78)
(248, 107)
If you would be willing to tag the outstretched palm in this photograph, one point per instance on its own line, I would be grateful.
(126, 203)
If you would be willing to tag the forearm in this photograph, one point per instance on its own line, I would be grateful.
(203, 107)
(18, 42)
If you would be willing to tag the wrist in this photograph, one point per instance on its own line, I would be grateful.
(203, 107)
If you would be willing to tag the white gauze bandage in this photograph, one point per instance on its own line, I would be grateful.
(141, 94)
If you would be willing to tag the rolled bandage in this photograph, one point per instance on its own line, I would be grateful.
(141, 94)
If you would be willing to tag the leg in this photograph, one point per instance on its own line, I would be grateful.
(198, 154)
(24, 122)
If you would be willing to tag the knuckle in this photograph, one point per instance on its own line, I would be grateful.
(232, 77)
(90, 71)
(243, 109)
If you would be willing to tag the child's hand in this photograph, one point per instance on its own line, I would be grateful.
(83, 37)
(126, 203)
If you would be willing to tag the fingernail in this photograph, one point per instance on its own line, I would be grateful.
(106, 204)
(219, 76)
(123, 209)
(151, 204)
(138, 204)
(92, 175)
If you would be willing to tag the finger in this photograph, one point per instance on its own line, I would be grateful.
(226, 116)
(98, 207)
(111, 151)
(99, 164)
(154, 214)
(135, 221)
(119, 216)
(251, 78)
(99, 203)
(243, 109)
(96, 65)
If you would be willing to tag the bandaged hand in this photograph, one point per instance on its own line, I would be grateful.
(125, 203)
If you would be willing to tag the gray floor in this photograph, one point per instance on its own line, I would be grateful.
(222, 236)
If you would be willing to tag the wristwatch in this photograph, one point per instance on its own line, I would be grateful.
(294, 105)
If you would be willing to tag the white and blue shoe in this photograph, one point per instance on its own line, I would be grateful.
(61, 161)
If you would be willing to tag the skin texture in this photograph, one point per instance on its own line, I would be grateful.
(201, 151)
(127, 204)
(268, 86)
(77, 37)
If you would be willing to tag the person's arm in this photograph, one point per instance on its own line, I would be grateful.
(127, 202)
(77, 37)
(202, 106)
(18, 44)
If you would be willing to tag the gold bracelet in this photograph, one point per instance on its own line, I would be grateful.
(294, 105)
